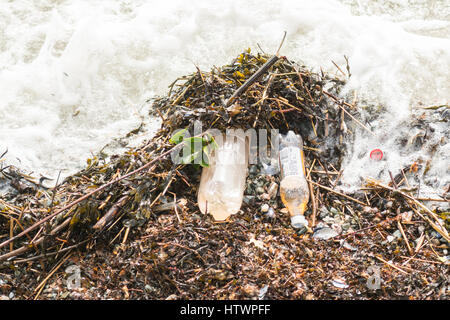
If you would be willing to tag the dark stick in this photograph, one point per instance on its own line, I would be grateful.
(53, 253)
(266, 66)
(252, 79)
(111, 213)
(393, 180)
(4, 153)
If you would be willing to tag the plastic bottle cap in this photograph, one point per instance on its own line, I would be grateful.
(376, 154)
(299, 221)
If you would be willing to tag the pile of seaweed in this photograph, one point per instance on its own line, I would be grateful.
(131, 224)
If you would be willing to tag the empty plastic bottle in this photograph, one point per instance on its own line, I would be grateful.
(222, 184)
(294, 189)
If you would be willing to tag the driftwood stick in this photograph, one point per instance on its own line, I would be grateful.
(410, 250)
(112, 212)
(391, 265)
(432, 199)
(266, 66)
(53, 253)
(336, 192)
(313, 198)
(281, 44)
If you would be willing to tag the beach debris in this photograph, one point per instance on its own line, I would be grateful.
(262, 292)
(178, 205)
(222, 183)
(339, 283)
(257, 243)
(376, 154)
(325, 233)
(347, 246)
(294, 189)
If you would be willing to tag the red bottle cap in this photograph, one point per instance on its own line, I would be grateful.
(376, 154)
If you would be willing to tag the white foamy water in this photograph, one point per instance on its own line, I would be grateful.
(75, 74)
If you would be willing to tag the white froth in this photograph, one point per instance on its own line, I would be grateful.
(75, 74)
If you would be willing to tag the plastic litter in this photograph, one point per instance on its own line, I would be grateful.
(222, 184)
(294, 189)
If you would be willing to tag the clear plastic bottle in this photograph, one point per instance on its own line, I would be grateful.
(294, 189)
(222, 184)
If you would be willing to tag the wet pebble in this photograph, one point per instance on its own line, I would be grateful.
(339, 283)
(149, 288)
(253, 170)
(347, 246)
(435, 234)
(345, 226)
(323, 212)
(334, 211)
(397, 234)
(328, 219)
(301, 231)
(435, 242)
(370, 210)
(264, 208)
(260, 183)
(320, 225)
(325, 234)
(249, 200)
(337, 227)
(271, 213)
(265, 196)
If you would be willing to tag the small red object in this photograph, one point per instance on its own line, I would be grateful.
(376, 154)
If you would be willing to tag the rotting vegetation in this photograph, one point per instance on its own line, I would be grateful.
(131, 225)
